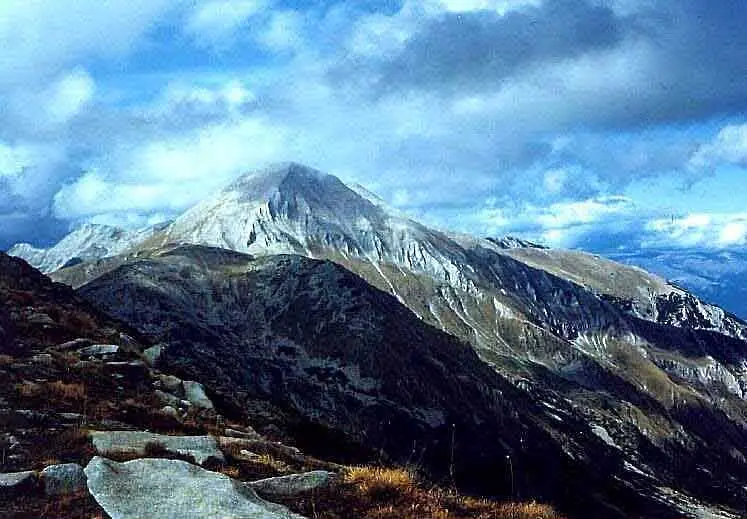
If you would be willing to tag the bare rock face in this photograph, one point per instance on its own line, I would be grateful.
(173, 489)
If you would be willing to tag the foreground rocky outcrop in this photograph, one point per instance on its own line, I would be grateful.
(174, 489)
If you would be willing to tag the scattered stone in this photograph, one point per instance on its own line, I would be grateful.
(233, 444)
(40, 318)
(14, 483)
(72, 417)
(249, 433)
(293, 484)
(42, 358)
(172, 384)
(135, 369)
(74, 344)
(128, 341)
(237, 444)
(99, 350)
(172, 412)
(153, 354)
(202, 449)
(173, 489)
(168, 399)
(195, 393)
(245, 455)
(64, 479)
(83, 365)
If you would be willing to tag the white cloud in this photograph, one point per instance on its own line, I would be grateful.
(568, 214)
(709, 230)
(170, 175)
(733, 233)
(41, 37)
(379, 34)
(14, 159)
(69, 95)
(729, 146)
(29, 173)
(215, 22)
(283, 31)
(227, 98)
(554, 180)
(499, 6)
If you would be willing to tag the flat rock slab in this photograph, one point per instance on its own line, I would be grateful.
(138, 443)
(173, 489)
(63, 479)
(98, 350)
(13, 483)
(294, 484)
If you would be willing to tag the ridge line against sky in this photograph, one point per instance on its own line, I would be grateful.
(605, 125)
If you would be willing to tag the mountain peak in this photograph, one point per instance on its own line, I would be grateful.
(260, 183)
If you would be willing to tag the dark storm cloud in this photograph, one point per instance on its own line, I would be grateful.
(672, 61)
(478, 49)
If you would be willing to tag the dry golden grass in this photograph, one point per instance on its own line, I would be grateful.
(73, 391)
(272, 463)
(380, 481)
(52, 390)
(230, 471)
(393, 493)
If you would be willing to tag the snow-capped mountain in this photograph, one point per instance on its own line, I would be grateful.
(87, 242)
(294, 209)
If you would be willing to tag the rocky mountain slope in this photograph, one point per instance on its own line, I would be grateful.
(79, 389)
(655, 374)
(314, 338)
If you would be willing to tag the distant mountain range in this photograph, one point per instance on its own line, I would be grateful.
(717, 276)
(613, 389)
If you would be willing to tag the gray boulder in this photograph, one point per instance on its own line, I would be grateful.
(172, 384)
(172, 412)
(139, 444)
(173, 489)
(14, 483)
(67, 478)
(292, 485)
(195, 393)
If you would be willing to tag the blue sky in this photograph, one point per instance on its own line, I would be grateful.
(601, 124)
